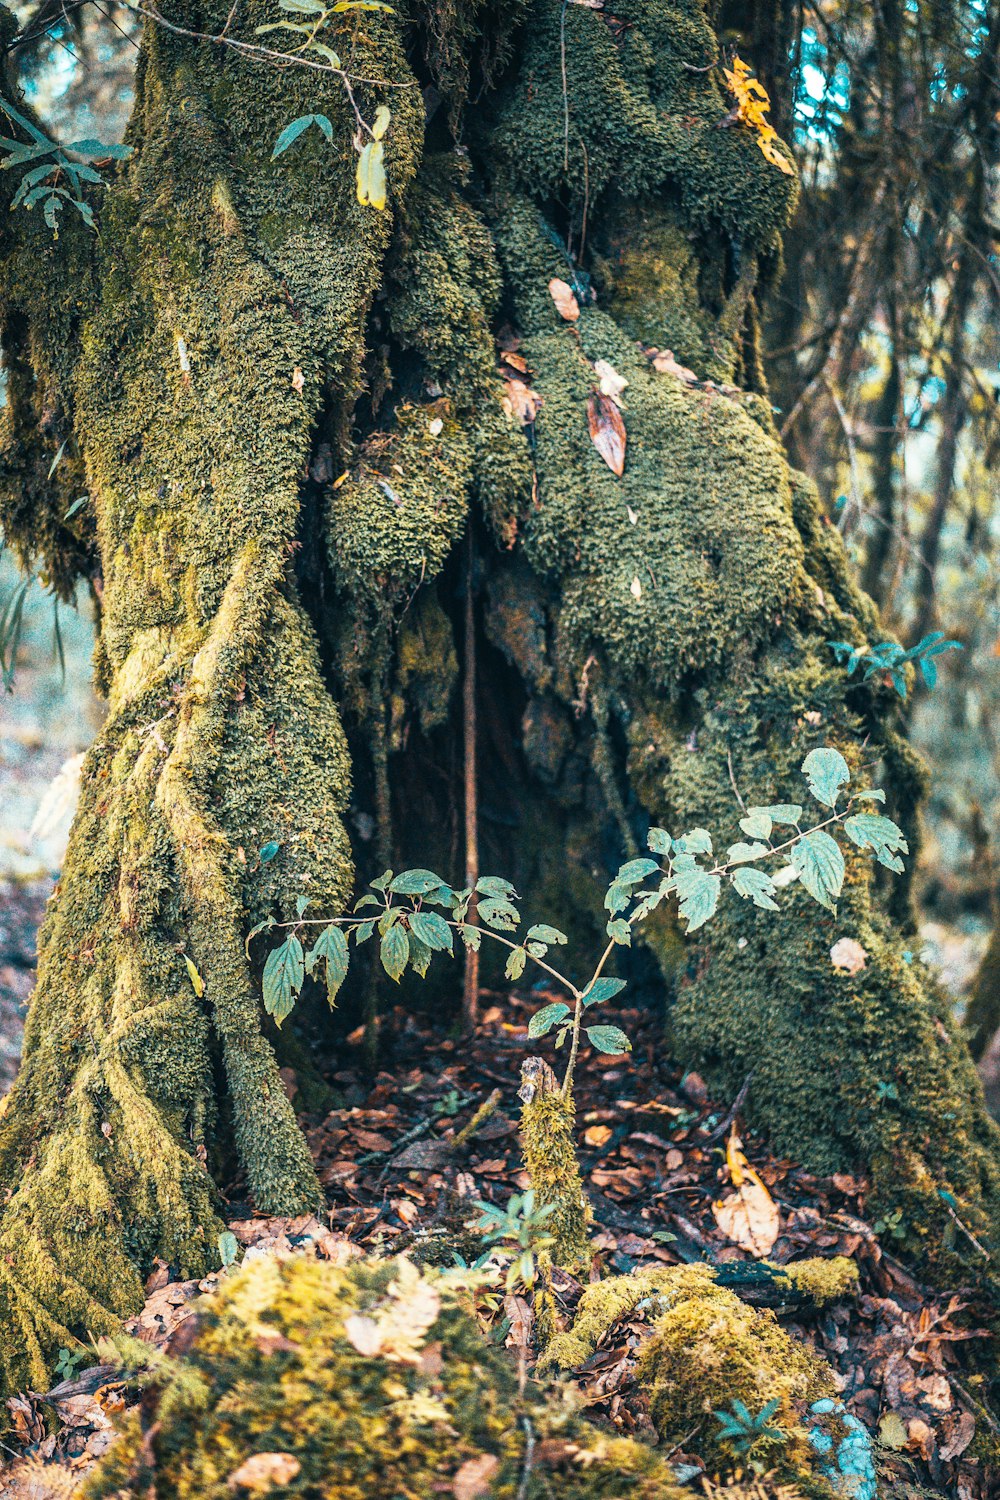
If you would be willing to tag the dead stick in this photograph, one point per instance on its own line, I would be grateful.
(470, 995)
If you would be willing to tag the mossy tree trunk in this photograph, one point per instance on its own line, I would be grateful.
(286, 411)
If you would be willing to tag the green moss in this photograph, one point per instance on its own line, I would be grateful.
(604, 1303)
(708, 1349)
(214, 331)
(823, 1280)
(547, 1140)
(274, 1370)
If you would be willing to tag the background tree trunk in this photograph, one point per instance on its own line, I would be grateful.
(287, 410)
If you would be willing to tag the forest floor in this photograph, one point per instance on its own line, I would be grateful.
(652, 1145)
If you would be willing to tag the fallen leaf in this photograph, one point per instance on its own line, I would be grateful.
(364, 1333)
(632, 515)
(298, 381)
(892, 1431)
(749, 1216)
(521, 1318)
(612, 384)
(523, 401)
(664, 362)
(474, 1477)
(635, 589)
(848, 954)
(566, 304)
(597, 1135)
(262, 1471)
(516, 361)
(607, 431)
(435, 427)
(960, 1431)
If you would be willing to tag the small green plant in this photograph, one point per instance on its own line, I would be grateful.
(887, 659)
(70, 1361)
(54, 177)
(416, 914)
(742, 1432)
(522, 1229)
(314, 18)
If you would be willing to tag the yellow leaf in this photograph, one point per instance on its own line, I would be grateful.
(381, 122)
(371, 175)
(197, 983)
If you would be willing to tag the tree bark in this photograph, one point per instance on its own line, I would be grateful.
(287, 407)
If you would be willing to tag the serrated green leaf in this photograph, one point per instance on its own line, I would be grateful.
(432, 930)
(741, 854)
(617, 898)
(543, 1020)
(788, 814)
(420, 955)
(516, 960)
(330, 946)
(659, 840)
(757, 884)
(471, 936)
(757, 824)
(283, 976)
(415, 883)
(635, 871)
(819, 863)
(698, 841)
(698, 896)
(394, 950)
(498, 914)
(881, 835)
(620, 932)
(609, 1039)
(542, 933)
(363, 932)
(495, 885)
(602, 989)
(826, 771)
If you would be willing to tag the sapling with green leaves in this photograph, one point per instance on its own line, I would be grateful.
(416, 913)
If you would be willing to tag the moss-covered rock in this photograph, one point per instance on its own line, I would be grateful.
(370, 1380)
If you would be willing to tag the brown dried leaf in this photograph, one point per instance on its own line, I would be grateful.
(474, 1477)
(516, 361)
(262, 1471)
(607, 431)
(566, 304)
(597, 1135)
(665, 363)
(298, 380)
(523, 401)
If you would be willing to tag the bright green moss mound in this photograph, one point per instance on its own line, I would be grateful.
(709, 1348)
(274, 1371)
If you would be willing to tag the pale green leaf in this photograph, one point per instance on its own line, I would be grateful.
(826, 771)
(543, 1020)
(819, 863)
(610, 1039)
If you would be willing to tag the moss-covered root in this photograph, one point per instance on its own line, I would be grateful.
(547, 1122)
(819, 1281)
(359, 1382)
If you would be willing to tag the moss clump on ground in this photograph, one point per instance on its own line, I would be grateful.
(708, 1350)
(277, 1368)
(604, 1303)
